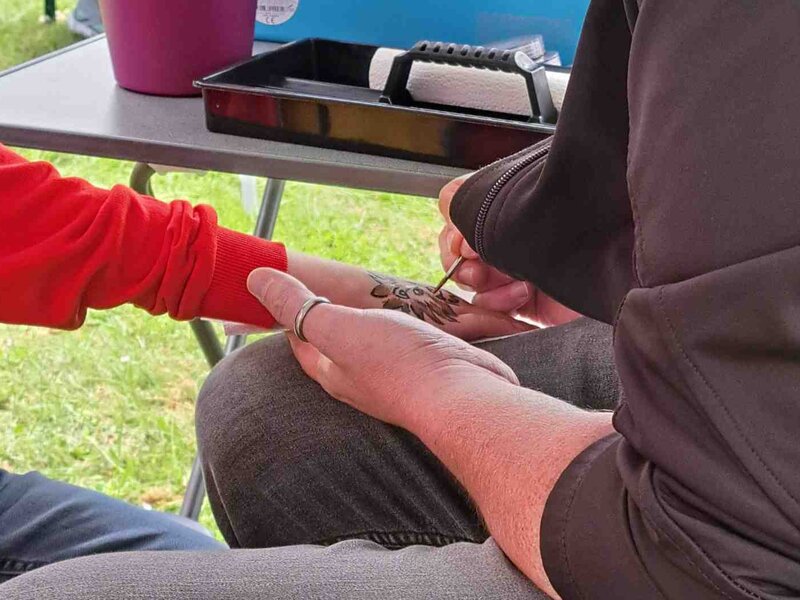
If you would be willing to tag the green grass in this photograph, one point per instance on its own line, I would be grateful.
(22, 37)
(110, 406)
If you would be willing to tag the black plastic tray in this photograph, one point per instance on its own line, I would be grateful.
(316, 92)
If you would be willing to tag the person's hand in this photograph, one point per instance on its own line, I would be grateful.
(444, 310)
(384, 363)
(494, 291)
(357, 288)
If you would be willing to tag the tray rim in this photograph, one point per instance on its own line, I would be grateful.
(208, 83)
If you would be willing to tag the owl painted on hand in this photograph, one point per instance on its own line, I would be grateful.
(416, 300)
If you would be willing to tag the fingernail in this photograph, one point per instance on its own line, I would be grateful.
(258, 281)
(467, 252)
(464, 286)
(520, 291)
(466, 274)
(451, 239)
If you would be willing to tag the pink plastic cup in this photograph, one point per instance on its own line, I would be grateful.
(162, 46)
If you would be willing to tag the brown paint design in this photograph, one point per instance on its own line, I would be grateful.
(416, 300)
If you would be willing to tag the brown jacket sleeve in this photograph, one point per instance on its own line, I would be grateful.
(564, 222)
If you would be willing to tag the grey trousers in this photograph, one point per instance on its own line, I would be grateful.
(320, 501)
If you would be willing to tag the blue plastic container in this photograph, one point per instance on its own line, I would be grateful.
(402, 23)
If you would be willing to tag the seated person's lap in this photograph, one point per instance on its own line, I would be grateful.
(353, 570)
(279, 453)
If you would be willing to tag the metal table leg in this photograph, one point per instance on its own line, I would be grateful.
(141, 178)
(203, 330)
(208, 340)
(270, 203)
(50, 9)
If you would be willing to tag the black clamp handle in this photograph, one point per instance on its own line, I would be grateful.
(508, 61)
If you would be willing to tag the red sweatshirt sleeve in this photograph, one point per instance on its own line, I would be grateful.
(66, 246)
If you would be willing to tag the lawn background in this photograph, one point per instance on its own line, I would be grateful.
(110, 406)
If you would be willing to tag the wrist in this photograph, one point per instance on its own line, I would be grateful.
(236, 255)
(340, 283)
(455, 413)
(436, 408)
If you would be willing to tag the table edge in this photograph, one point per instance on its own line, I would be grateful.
(406, 182)
(39, 59)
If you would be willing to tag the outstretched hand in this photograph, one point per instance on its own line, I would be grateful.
(352, 286)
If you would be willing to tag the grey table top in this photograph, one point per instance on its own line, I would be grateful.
(69, 102)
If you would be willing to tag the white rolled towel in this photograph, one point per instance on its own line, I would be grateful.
(479, 89)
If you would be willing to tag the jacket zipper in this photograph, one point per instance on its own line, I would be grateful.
(483, 213)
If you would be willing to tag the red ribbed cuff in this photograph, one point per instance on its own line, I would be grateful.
(237, 256)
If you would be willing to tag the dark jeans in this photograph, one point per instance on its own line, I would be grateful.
(284, 464)
(44, 521)
(292, 472)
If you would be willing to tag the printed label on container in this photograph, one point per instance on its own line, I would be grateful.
(275, 12)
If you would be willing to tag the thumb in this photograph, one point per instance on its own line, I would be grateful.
(284, 296)
(448, 192)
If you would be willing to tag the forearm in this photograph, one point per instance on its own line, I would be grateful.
(508, 446)
(341, 283)
(356, 287)
(67, 246)
(568, 227)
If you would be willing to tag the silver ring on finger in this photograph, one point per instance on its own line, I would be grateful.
(301, 316)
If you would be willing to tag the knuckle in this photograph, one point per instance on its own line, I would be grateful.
(324, 327)
(316, 326)
(324, 369)
(508, 373)
(281, 303)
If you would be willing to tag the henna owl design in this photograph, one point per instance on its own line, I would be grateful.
(415, 299)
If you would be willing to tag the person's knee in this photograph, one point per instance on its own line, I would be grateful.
(241, 390)
(76, 579)
(259, 416)
(253, 412)
(126, 575)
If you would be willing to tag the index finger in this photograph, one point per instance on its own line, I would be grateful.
(448, 192)
(466, 250)
(284, 296)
